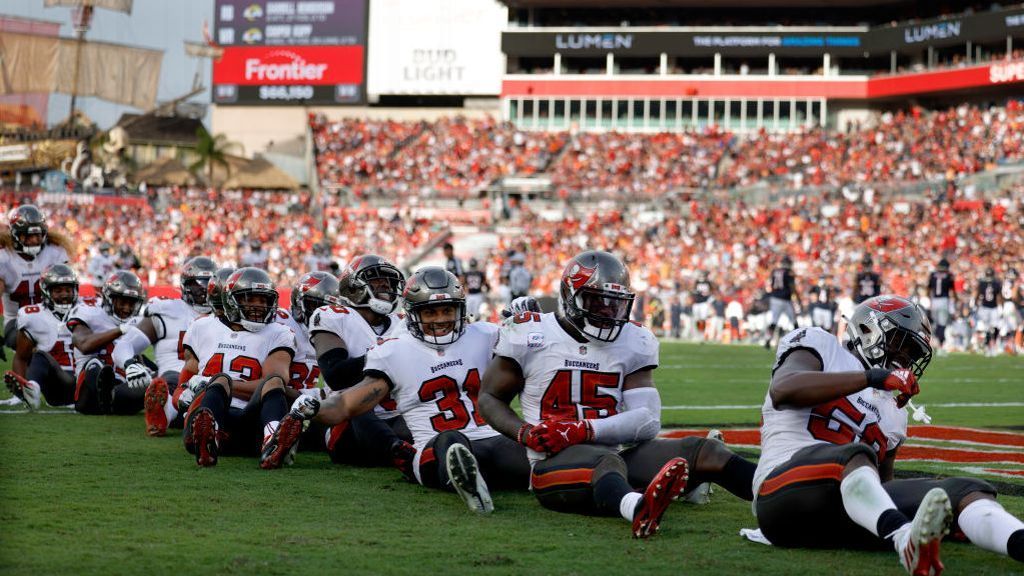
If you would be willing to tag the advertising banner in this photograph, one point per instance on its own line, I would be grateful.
(435, 47)
(294, 52)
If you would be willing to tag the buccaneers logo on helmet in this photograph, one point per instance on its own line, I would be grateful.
(578, 275)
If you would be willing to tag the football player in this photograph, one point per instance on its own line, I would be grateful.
(182, 397)
(369, 288)
(476, 289)
(782, 290)
(988, 300)
(26, 249)
(833, 421)
(313, 290)
(215, 290)
(942, 293)
(867, 283)
(584, 377)
(433, 370)
(238, 367)
(823, 305)
(164, 326)
(703, 290)
(43, 365)
(94, 331)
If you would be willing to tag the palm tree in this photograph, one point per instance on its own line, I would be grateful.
(211, 151)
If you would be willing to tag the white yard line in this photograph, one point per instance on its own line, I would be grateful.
(930, 405)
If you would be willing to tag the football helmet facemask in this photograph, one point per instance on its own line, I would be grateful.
(122, 285)
(194, 282)
(313, 290)
(594, 295)
(435, 306)
(26, 220)
(53, 277)
(890, 332)
(370, 281)
(250, 299)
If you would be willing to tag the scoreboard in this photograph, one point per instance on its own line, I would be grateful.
(294, 52)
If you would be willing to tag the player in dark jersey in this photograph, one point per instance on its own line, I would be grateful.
(703, 289)
(988, 298)
(823, 305)
(942, 293)
(781, 291)
(867, 283)
(477, 288)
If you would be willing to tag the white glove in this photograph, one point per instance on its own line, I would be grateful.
(305, 407)
(137, 375)
(196, 383)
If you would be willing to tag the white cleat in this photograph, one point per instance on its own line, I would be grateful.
(702, 493)
(464, 475)
(25, 390)
(917, 543)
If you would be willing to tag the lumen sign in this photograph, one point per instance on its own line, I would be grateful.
(936, 31)
(594, 41)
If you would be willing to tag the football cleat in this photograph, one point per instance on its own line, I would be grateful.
(155, 400)
(402, 455)
(205, 440)
(666, 486)
(464, 475)
(25, 390)
(279, 448)
(702, 493)
(917, 543)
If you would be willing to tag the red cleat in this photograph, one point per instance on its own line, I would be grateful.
(279, 448)
(666, 486)
(205, 439)
(156, 399)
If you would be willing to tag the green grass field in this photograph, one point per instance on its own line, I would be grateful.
(94, 495)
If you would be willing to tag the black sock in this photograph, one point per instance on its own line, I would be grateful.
(273, 406)
(737, 476)
(215, 398)
(1015, 545)
(608, 492)
(889, 522)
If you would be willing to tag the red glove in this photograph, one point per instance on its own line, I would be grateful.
(554, 437)
(902, 383)
(526, 438)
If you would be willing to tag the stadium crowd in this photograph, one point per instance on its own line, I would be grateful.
(456, 157)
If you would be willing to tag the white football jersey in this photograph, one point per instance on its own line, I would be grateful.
(21, 277)
(566, 379)
(93, 315)
(171, 319)
(241, 354)
(869, 416)
(357, 334)
(305, 369)
(48, 333)
(436, 389)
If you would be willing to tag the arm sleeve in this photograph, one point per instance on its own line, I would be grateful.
(639, 420)
(339, 370)
(133, 343)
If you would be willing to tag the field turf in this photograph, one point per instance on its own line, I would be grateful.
(94, 495)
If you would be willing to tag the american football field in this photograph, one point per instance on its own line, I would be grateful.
(94, 495)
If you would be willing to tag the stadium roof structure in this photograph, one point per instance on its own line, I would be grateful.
(697, 3)
(168, 171)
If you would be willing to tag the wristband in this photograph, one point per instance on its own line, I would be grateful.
(876, 377)
(523, 431)
(124, 328)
